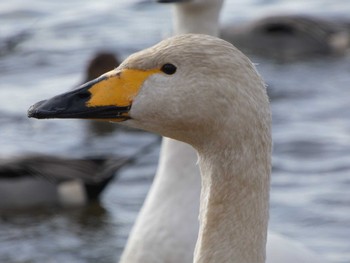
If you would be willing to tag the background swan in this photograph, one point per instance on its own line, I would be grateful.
(227, 95)
(196, 16)
(172, 205)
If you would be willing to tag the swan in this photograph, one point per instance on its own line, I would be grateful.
(204, 92)
(37, 180)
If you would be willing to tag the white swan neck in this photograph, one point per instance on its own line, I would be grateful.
(197, 18)
(234, 208)
(167, 226)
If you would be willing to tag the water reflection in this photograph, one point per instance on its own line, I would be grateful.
(59, 235)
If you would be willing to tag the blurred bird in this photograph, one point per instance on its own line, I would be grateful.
(99, 64)
(41, 180)
(290, 37)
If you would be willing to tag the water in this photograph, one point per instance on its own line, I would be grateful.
(310, 200)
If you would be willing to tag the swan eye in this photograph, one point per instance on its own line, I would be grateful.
(168, 69)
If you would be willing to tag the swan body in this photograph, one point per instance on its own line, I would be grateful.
(41, 180)
(167, 226)
(204, 92)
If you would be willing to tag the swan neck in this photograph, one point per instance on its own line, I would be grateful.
(234, 206)
(195, 18)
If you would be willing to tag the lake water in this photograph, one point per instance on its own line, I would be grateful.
(310, 197)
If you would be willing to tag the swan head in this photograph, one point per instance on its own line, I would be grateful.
(187, 87)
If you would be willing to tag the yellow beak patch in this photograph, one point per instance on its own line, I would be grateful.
(107, 98)
(119, 88)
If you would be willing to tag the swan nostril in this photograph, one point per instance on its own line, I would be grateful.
(84, 95)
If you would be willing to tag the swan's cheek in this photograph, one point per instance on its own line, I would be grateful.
(150, 111)
(146, 110)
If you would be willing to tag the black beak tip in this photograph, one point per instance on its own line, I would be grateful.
(34, 110)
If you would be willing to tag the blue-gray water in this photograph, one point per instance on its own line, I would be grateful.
(310, 197)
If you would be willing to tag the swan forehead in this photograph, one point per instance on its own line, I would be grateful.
(188, 50)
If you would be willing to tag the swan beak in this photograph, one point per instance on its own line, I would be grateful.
(108, 97)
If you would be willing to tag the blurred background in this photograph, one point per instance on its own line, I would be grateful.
(301, 50)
